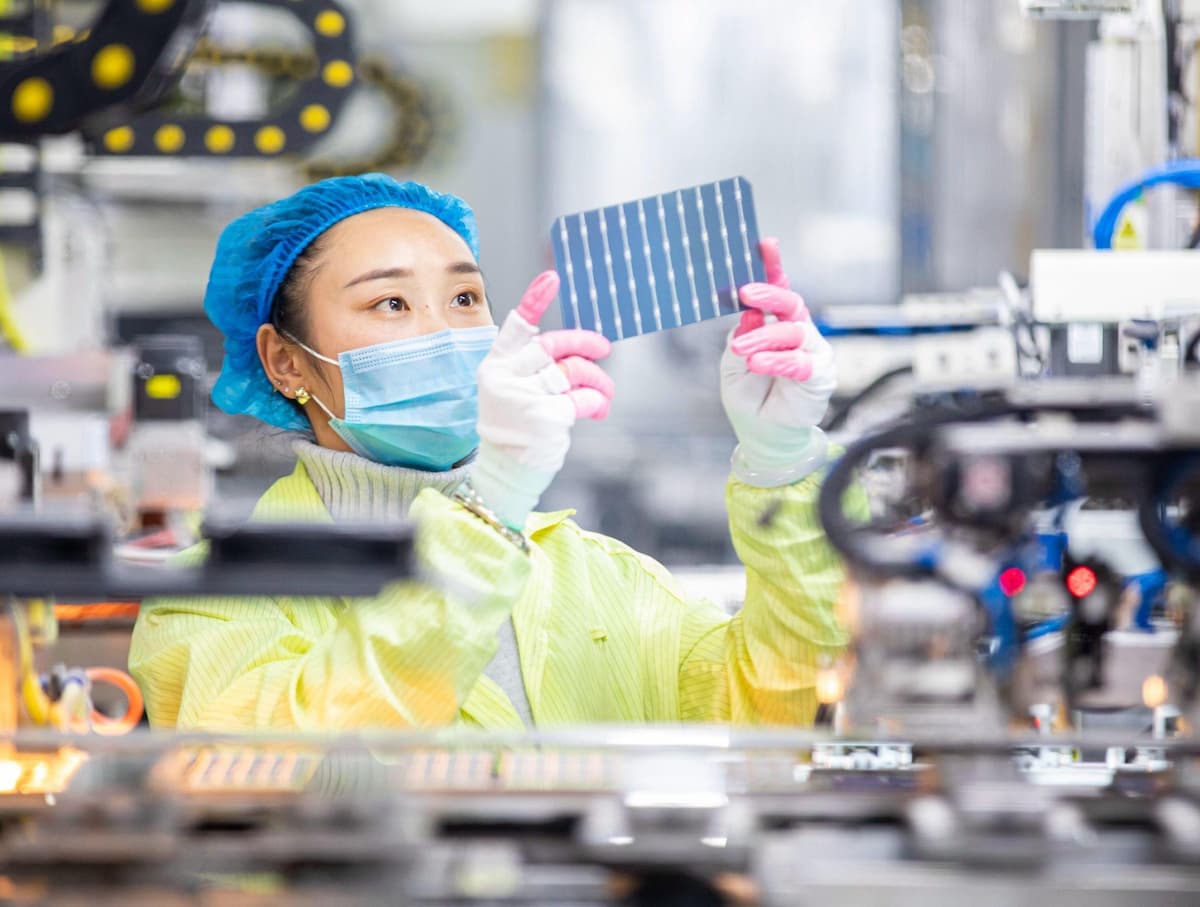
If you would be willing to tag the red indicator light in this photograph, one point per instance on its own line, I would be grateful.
(1012, 581)
(1081, 582)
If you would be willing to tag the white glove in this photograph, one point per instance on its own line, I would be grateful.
(776, 380)
(532, 388)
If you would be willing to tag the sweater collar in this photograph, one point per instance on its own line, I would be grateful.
(354, 488)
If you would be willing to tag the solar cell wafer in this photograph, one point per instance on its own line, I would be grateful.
(659, 262)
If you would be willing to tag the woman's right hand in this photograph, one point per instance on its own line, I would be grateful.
(532, 388)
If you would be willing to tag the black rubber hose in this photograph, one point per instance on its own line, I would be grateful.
(867, 551)
(1189, 352)
(839, 416)
(1152, 501)
(851, 542)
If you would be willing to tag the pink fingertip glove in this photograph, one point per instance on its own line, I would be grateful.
(532, 388)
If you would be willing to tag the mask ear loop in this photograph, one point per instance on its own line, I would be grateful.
(303, 395)
(308, 349)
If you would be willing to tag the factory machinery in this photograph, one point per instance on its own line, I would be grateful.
(617, 816)
(1012, 719)
(1015, 717)
(1008, 722)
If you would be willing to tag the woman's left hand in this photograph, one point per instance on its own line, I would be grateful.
(777, 375)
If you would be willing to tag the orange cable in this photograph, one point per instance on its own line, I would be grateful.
(113, 727)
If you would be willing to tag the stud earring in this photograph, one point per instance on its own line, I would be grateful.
(302, 396)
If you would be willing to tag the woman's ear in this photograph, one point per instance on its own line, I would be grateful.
(280, 360)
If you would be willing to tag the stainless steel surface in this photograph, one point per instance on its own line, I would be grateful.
(575, 816)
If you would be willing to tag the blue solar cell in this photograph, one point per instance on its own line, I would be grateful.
(660, 262)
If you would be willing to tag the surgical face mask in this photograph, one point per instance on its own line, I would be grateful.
(412, 402)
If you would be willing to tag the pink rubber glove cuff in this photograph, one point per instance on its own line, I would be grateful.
(776, 379)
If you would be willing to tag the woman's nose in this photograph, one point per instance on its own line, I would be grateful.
(431, 318)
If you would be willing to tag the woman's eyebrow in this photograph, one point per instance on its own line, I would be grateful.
(380, 274)
(457, 267)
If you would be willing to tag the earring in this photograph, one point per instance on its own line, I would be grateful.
(302, 396)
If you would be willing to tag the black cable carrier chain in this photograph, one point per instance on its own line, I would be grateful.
(127, 60)
(106, 81)
(326, 75)
(115, 72)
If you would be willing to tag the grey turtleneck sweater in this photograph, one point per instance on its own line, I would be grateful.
(354, 488)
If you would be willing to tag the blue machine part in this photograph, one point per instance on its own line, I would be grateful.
(828, 329)
(1047, 552)
(1003, 628)
(1185, 173)
(1046, 627)
(1043, 553)
(660, 262)
(1150, 587)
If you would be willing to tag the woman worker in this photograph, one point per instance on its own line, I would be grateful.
(355, 310)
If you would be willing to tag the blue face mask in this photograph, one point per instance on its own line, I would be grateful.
(412, 402)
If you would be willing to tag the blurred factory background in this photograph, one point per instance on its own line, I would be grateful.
(1017, 328)
(894, 148)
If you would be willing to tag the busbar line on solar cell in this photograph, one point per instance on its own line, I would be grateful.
(649, 266)
(562, 224)
(587, 263)
(637, 309)
(662, 221)
(737, 194)
(712, 280)
(687, 253)
(612, 283)
(737, 301)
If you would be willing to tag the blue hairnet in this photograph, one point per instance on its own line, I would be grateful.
(255, 253)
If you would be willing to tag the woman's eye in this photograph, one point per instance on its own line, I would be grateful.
(465, 300)
(391, 304)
